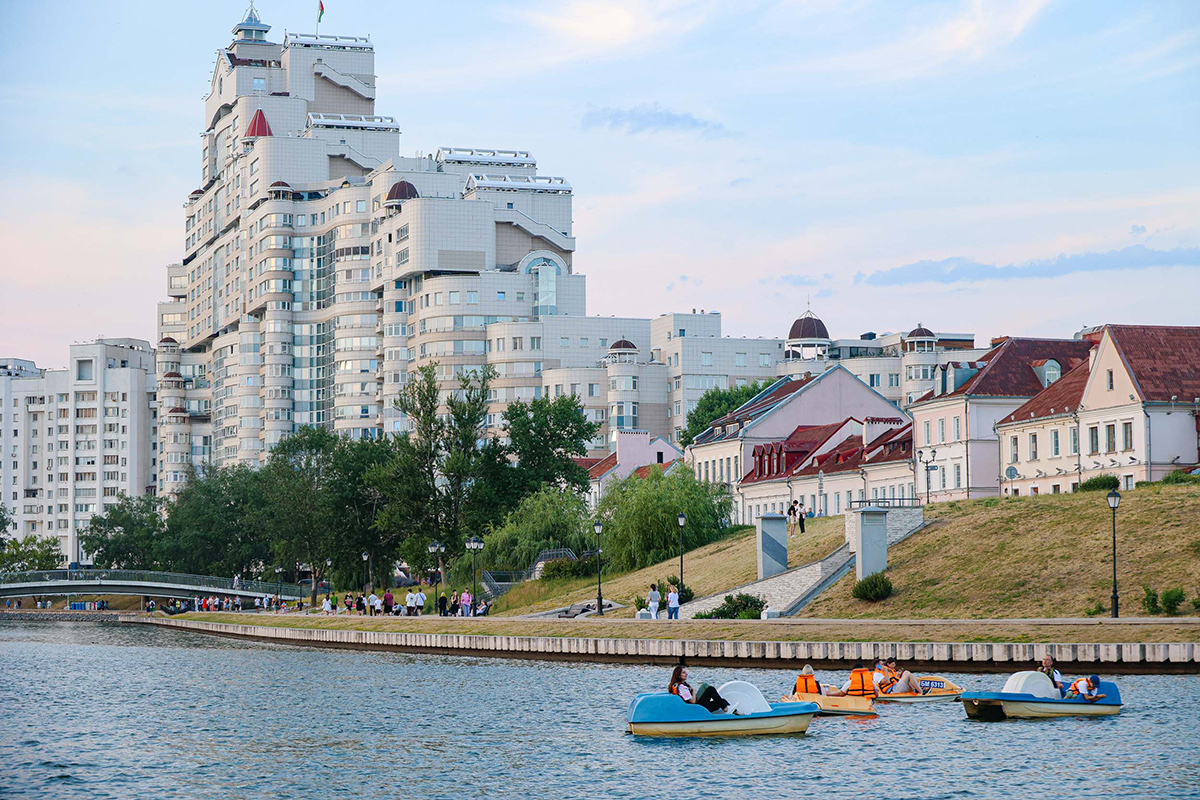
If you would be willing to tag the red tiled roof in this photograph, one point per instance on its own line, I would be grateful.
(1006, 370)
(601, 467)
(851, 455)
(258, 125)
(1163, 361)
(644, 471)
(796, 449)
(1060, 397)
(585, 462)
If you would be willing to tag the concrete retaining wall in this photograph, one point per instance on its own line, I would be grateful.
(919, 656)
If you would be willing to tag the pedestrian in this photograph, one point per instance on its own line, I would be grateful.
(371, 604)
(360, 604)
(791, 518)
(410, 603)
(420, 601)
(441, 604)
(326, 606)
(349, 603)
(800, 515)
(388, 600)
(653, 598)
(465, 603)
(672, 603)
(454, 601)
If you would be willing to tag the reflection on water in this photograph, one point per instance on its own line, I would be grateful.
(112, 711)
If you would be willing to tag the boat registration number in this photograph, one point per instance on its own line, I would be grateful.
(929, 683)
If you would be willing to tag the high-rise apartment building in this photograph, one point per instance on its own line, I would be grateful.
(74, 439)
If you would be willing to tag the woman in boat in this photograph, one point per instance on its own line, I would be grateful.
(892, 680)
(806, 682)
(1050, 669)
(708, 697)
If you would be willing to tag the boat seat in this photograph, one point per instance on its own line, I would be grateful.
(744, 697)
(1031, 682)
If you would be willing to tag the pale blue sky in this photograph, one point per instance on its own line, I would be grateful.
(1021, 167)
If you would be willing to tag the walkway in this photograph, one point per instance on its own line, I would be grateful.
(59, 582)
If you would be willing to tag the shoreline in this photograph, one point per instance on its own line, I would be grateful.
(983, 657)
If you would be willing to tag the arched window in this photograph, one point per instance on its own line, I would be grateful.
(1053, 371)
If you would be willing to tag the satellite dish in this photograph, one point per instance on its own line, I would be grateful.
(1010, 473)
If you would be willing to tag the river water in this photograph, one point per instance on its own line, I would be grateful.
(102, 710)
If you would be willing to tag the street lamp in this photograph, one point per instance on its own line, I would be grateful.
(278, 583)
(682, 522)
(437, 548)
(1114, 500)
(328, 569)
(365, 556)
(474, 544)
(598, 527)
(928, 466)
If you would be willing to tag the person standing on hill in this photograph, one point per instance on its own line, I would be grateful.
(791, 519)
(672, 603)
(800, 514)
(653, 598)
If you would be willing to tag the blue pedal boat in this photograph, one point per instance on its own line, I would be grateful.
(663, 714)
(1031, 695)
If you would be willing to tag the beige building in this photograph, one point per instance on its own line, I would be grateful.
(1131, 409)
(954, 425)
(634, 450)
(75, 439)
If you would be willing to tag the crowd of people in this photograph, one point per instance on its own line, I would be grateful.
(654, 601)
(415, 604)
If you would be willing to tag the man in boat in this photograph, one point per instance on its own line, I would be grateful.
(859, 685)
(891, 680)
(1050, 670)
(1086, 688)
(806, 682)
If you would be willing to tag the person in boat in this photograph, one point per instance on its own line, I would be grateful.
(708, 696)
(806, 682)
(1050, 669)
(892, 680)
(1087, 689)
(861, 684)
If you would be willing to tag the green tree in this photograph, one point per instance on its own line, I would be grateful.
(544, 435)
(5, 522)
(550, 517)
(641, 517)
(217, 524)
(714, 404)
(30, 554)
(127, 535)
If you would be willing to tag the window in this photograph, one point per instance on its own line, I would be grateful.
(957, 476)
(957, 429)
(1126, 435)
(260, 84)
(873, 381)
(499, 295)
(764, 359)
(1013, 450)
(361, 206)
(941, 430)
(535, 343)
(1033, 451)
(1055, 488)
(925, 431)
(455, 298)
(518, 343)
(1074, 441)
(1054, 442)
(739, 359)
(593, 390)
(1053, 371)
(472, 296)
(583, 342)
(1110, 438)
(1093, 440)
(893, 379)
(564, 341)
(706, 359)
(85, 369)
(1108, 378)
(941, 478)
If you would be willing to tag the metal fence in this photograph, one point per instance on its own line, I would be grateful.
(115, 576)
(888, 502)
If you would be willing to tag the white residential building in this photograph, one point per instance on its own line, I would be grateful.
(74, 439)
(634, 450)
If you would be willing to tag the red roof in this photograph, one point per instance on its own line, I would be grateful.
(1060, 397)
(1007, 369)
(645, 470)
(601, 467)
(258, 125)
(851, 455)
(1163, 361)
(585, 462)
(795, 450)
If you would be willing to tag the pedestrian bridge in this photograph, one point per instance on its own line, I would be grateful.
(59, 582)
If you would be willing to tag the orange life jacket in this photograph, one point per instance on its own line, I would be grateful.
(862, 684)
(807, 684)
(890, 678)
(1087, 684)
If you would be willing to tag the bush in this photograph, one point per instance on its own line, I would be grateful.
(1180, 476)
(685, 592)
(1172, 599)
(873, 588)
(1196, 600)
(569, 568)
(736, 606)
(1150, 601)
(639, 602)
(1100, 483)
(1095, 610)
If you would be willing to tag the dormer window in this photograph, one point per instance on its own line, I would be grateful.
(1053, 371)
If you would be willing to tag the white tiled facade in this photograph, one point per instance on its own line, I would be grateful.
(75, 439)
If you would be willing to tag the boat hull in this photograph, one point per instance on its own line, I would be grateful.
(937, 690)
(993, 708)
(730, 726)
(661, 714)
(835, 706)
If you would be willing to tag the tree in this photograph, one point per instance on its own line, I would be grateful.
(127, 535)
(5, 522)
(30, 554)
(550, 517)
(714, 404)
(641, 517)
(217, 524)
(543, 436)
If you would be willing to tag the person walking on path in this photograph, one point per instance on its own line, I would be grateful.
(410, 603)
(441, 605)
(653, 598)
(454, 603)
(388, 601)
(672, 603)
(421, 598)
(465, 603)
(326, 606)
(371, 602)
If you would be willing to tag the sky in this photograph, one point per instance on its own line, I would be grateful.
(1014, 167)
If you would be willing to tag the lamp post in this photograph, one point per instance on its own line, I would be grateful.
(328, 569)
(475, 545)
(365, 556)
(437, 549)
(598, 527)
(927, 465)
(682, 523)
(1114, 500)
(278, 584)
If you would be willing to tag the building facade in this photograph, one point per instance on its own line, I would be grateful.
(73, 440)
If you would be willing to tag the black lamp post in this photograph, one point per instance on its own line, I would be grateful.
(365, 556)
(437, 549)
(1114, 500)
(682, 523)
(475, 545)
(278, 584)
(927, 464)
(598, 527)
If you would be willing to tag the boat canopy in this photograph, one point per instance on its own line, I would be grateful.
(1034, 683)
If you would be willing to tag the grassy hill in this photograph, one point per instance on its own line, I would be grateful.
(710, 569)
(1046, 556)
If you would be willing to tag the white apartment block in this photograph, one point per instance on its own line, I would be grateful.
(75, 439)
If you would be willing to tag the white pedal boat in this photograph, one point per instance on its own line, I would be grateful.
(1031, 695)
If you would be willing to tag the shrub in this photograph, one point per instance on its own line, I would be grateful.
(1196, 600)
(1100, 483)
(736, 606)
(639, 602)
(685, 592)
(1180, 476)
(1095, 610)
(1150, 601)
(569, 568)
(873, 588)
(1172, 599)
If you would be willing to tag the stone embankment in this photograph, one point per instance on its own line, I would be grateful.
(22, 615)
(919, 656)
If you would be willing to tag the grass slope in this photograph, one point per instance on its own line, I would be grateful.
(1046, 556)
(708, 570)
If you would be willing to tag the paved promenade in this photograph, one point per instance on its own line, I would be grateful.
(921, 656)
